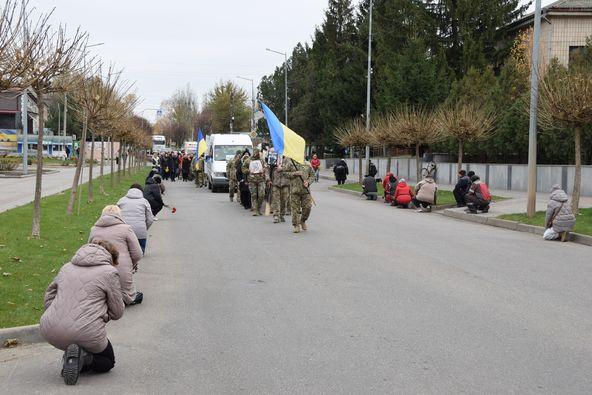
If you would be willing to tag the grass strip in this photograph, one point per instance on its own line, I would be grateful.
(28, 265)
(583, 222)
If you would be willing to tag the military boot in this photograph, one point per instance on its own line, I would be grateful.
(231, 199)
(282, 219)
(296, 229)
(303, 226)
(276, 219)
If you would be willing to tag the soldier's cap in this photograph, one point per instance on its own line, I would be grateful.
(238, 152)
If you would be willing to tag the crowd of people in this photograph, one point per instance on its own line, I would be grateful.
(98, 282)
(279, 183)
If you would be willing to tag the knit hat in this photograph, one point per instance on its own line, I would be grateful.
(475, 178)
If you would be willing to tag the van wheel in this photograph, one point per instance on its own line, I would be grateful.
(213, 189)
(209, 185)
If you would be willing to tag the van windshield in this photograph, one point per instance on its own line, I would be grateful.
(223, 152)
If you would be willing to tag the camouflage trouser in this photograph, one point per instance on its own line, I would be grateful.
(257, 190)
(232, 186)
(288, 207)
(301, 204)
(199, 178)
(279, 200)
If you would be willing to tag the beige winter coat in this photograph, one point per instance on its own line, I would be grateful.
(113, 229)
(83, 297)
(425, 191)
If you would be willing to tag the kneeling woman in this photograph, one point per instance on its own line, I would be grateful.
(84, 296)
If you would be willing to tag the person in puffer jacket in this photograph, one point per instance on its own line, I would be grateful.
(136, 212)
(403, 194)
(153, 194)
(425, 194)
(82, 298)
(112, 228)
(559, 218)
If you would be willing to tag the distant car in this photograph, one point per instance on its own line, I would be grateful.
(221, 148)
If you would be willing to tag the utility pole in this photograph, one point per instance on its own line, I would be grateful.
(369, 85)
(285, 83)
(60, 123)
(25, 101)
(66, 119)
(25, 122)
(253, 127)
(532, 130)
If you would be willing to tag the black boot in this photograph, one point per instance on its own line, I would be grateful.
(138, 299)
(72, 364)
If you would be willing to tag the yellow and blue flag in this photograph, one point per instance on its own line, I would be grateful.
(285, 141)
(201, 144)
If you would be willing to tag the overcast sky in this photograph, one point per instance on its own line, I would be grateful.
(165, 45)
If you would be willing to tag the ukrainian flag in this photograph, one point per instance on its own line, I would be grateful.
(285, 141)
(201, 144)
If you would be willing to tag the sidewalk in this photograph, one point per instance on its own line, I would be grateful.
(17, 192)
(514, 204)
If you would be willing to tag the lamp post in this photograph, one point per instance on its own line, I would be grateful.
(369, 83)
(532, 130)
(252, 100)
(286, 82)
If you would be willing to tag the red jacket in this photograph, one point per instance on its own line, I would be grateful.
(315, 163)
(403, 194)
(385, 182)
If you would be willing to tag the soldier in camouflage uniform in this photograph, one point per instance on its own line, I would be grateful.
(231, 175)
(257, 175)
(199, 171)
(280, 194)
(300, 176)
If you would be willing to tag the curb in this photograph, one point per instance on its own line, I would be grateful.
(359, 194)
(24, 335)
(513, 225)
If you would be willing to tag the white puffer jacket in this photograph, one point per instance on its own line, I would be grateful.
(136, 212)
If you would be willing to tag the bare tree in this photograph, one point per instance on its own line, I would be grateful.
(353, 134)
(566, 100)
(415, 127)
(382, 134)
(465, 122)
(54, 54)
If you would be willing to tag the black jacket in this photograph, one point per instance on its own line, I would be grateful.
(372, 170)
(462, 185)
(152, 194)
(340, 169)
(369, 185)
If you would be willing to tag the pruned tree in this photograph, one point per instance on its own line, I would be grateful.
(566, 100)
(382, 134)
(353, 134)
(465, 122)
(50, 53)
(415, 127)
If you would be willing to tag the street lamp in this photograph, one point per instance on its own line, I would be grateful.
(252, 100)
(369, 83)
(286, 82)
(532, 130)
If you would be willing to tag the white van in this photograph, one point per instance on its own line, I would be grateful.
(221, 148)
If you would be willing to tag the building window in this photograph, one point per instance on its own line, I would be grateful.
(575, 51)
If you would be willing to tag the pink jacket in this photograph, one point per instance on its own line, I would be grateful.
(83, 297)
(113, 229)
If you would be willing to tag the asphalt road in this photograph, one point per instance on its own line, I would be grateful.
(17, 192)
(370, 300)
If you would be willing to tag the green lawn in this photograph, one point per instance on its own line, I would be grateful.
(27, 265)
(583, 223)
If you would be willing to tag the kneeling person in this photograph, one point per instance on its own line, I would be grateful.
(84, 296)
(370, 190)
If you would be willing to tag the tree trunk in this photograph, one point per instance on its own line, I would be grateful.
(74, 191)
(417, 162)
(119, 159)
(124, 158)
(460, 156)
(575, 199)
(90, 167)
(112, 174)
(388, 164)
(36, 230)
(102, 168)
(360, 177)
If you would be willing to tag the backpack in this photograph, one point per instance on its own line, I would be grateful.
(484, 189)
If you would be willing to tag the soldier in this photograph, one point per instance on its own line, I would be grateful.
(199, 171)
(280, 194)
(231, 174)
(257, 176)
(300, 176)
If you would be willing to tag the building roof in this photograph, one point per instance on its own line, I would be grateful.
(560, 6)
